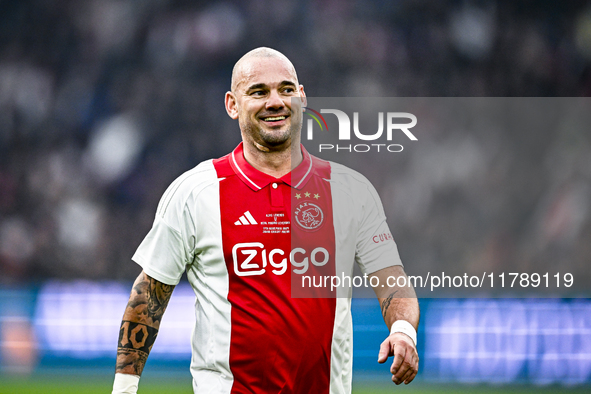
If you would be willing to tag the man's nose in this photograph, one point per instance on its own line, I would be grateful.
(275, 100)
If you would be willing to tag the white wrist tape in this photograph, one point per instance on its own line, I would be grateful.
(406, 328)
(125, 383)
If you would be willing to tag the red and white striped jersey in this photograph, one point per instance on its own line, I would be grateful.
(246, 239)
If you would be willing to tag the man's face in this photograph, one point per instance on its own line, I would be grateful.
(261, 101)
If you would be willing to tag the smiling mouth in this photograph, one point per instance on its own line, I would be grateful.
(274, 118)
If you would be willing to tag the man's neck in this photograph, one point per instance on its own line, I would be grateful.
(274, 163)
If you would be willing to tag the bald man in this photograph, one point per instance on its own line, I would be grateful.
(246, 228)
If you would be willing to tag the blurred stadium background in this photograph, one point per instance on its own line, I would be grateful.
(104, 102)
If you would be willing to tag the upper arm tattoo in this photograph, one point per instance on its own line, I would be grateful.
(158, 297)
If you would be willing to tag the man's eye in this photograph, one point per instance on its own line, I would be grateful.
(288, 90)
(257, 93)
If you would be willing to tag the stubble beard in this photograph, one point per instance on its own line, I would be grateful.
(271, 138)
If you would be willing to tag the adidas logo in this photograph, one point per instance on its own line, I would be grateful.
(245, 219)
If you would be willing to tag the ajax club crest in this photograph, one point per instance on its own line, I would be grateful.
(309, 216)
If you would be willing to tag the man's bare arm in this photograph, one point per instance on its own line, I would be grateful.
(141, 322)
(398, 303)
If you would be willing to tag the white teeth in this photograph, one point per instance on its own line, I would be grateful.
(272, 119)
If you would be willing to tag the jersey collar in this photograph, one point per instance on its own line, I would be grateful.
(257, 180)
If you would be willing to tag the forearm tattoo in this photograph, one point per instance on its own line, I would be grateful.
(386, 304)
(137, 336)
(130, 361)
(141, 322)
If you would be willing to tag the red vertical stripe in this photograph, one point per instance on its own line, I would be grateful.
(279, 344)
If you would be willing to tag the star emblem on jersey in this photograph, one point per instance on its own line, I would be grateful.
(309, 216)
(246, 219)
(307, 194)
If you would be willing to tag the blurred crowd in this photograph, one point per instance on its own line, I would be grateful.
(104, 102)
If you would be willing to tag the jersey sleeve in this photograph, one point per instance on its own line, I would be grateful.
(169, 245)
(375, 247)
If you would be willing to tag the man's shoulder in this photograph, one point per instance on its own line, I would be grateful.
(189, 184)
(203, 172)
(342, 174)
(350, 185)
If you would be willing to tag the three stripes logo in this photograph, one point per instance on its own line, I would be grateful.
(246, 219)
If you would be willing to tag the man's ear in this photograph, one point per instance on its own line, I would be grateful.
(231, 105)
(303, 94)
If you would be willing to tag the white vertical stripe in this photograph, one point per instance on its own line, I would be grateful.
(341, 357)
(243, 220)
(210, 364)
(341, 354)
